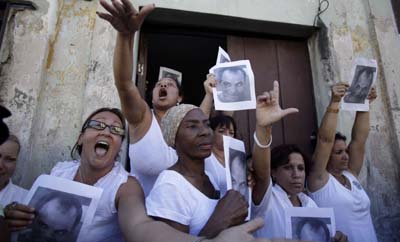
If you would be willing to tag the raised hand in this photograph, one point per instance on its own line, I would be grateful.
(209, 83)
(372, 95)
(268, 110)
(338, 91)
(123, 16)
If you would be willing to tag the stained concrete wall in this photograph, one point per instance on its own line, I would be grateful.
(56, 67)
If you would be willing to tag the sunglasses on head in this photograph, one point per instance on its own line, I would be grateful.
(101, 126)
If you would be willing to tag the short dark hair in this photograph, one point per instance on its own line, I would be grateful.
(315, 223)
(78, 148)
(222, 120)
(280, 155)
(67, 202)
(340, 136)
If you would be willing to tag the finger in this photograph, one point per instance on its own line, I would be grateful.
(109, 7)
(252, 225)
(276, 90)
(129, 8)
(108, 17)
(17, 224)
(289, 111)
(146, 10)
(119, 7)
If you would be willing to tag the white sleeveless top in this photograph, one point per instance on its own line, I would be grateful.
(105, 226)
(272, 209)
(12, 193)
(351, 208)
(150, 156)
(176, 199)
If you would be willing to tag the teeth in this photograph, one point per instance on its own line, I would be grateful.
(103, 142)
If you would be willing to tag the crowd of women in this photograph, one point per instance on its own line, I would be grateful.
(177, 189)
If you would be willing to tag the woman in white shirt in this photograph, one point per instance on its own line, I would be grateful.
(332, 180)
(9, 192)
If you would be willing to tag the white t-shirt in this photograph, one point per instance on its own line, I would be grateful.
(272, 209)
(105, 226)
(351, 208)
(12, 193)
(217, 172)
(150, 156)
(176, 199)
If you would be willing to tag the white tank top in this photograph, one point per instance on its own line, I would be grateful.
(351, 208)
(105, 225)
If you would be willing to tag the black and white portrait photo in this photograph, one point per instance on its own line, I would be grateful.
(236, 167)
(61, 208)
(222, 56)
(364, 75)
(166, 72)
(312, 229)
(310, 224)
(234, 86)
(58, 216)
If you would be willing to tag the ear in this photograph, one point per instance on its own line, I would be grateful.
(179, 100)
(80, 139)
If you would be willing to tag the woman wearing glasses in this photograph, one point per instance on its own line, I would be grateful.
(121, 214)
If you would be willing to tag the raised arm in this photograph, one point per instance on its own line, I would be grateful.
(126, 20)
(359, 135)
(318, 175)
(208, 100)
(268, 111)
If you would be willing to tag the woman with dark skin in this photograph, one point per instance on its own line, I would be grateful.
(335, 167)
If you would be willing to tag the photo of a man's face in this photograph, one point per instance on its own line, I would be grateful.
(362, 81)
(311, 229)
(238, 169)
(233, 84)
(58, 217)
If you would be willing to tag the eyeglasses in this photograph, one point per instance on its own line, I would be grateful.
(101, 126)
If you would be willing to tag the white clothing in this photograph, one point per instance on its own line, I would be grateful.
(217, 172)
(12, 193)
(150, 156)
(351, 208)
(272, 209)
(105, 226)
(174, 198)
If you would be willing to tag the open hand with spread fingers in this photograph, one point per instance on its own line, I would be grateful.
(268, 110)
(123, 16)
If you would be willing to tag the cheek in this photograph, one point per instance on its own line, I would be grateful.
(10, 167)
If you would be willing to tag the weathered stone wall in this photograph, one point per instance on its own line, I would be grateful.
(56, 68)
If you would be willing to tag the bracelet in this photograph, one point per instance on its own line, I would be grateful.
(199, 239)
(259, 144)
(332, 110)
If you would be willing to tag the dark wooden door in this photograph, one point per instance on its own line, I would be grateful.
(288, 62)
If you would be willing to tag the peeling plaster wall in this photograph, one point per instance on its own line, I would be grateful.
(56, 68)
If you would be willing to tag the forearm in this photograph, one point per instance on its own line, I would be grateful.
(261, 163)
(206, 104)
(213, 227)
(360, 129)
(133, 106)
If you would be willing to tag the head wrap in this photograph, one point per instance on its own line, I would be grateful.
(171, 121)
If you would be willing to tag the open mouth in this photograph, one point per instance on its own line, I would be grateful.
(162, 94)
(101, 148)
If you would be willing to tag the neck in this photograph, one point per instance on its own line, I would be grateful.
(190, 167)
(4, 184)
(159, 114)
(295, 200)
(335, 172)
(219, 154)
(89, 176)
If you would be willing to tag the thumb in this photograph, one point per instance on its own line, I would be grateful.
(288, 111)
(252, 225)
